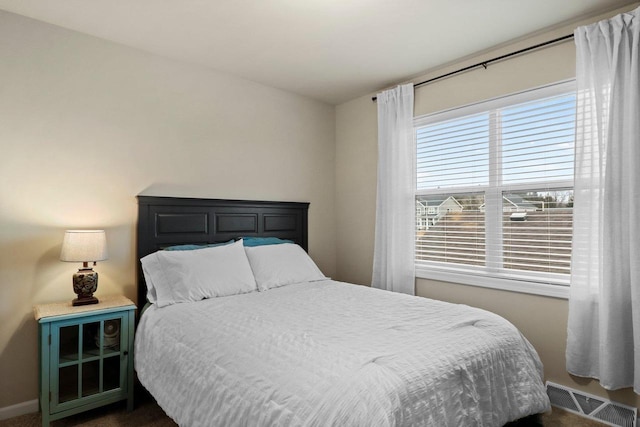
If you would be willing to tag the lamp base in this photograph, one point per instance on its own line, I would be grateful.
(85, 283)
(84, 301)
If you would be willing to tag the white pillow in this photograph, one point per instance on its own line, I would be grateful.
(148, 267)
(182, 276)
(279, 265)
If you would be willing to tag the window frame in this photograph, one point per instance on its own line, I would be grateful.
(550, 284)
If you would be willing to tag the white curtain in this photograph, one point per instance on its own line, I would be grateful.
(393, 257)
(604, 305)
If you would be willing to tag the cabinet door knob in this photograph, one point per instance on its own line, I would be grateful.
(125, 353)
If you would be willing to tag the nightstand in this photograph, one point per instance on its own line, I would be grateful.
(85, 355)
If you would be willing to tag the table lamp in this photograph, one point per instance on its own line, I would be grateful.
(84, 246)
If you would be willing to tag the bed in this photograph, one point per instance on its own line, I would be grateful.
(314, 351)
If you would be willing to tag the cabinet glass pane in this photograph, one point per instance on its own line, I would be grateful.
(90, 378)
(91, 334)
(68, 383)
(68, 344)
(111, 373)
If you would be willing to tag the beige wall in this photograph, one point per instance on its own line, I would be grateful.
(542, 320)
(86, 125)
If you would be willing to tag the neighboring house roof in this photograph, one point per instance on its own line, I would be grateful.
(517, 201)
(435, 201)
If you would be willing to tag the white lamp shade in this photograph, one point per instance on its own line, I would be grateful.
(84, 246)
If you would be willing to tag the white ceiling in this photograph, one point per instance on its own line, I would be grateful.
(330, 50)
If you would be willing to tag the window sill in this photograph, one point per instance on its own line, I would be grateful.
(485, 281)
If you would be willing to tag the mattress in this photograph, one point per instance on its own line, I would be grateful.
(329, 353)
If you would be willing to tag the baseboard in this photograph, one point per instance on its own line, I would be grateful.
(23, 408)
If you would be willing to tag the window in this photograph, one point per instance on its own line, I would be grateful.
(494, 192)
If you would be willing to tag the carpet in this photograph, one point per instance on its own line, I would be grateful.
(147, 413)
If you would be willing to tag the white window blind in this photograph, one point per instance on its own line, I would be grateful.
(494, 188)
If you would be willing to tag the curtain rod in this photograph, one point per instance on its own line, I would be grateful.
(489, 61)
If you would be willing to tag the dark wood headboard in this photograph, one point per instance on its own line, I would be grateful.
(167, 221)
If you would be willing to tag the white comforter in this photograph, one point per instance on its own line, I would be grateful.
(329, 353)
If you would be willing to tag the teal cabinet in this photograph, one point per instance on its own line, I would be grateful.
(86, 356)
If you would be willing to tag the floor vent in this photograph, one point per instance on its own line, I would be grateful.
(592, 407)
